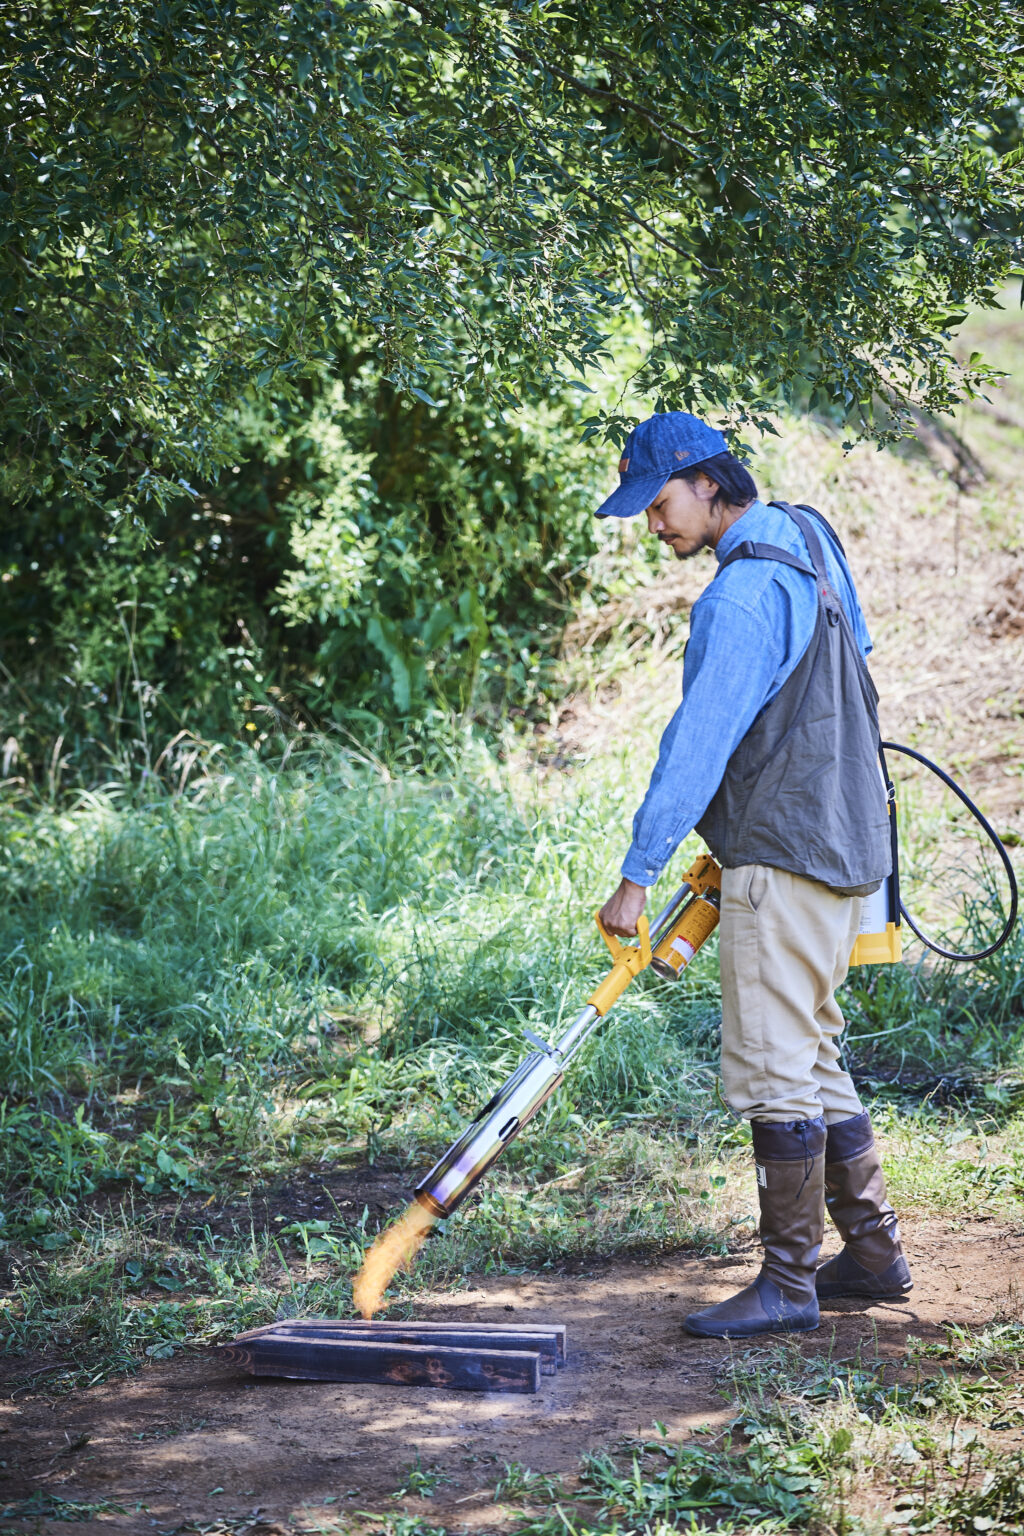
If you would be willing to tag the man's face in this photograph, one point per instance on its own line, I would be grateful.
(681, 516)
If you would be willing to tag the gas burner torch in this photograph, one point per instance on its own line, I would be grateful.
(667, 945)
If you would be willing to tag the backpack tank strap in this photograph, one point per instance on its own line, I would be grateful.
(826, 591)
(751, 551)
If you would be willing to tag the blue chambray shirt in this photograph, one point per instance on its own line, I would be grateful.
(748, 630)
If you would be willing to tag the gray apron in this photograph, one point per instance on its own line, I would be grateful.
(803, 791)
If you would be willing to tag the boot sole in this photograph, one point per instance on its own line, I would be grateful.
(831, 1292)
(829, 1289)
(745, 1332)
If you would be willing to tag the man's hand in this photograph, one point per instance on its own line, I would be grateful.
(619, 915)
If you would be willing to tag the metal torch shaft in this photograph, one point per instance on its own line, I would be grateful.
(585, 1022)
(516, 1101)
(499, 1122)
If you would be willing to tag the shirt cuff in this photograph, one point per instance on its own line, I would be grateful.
(639, 868)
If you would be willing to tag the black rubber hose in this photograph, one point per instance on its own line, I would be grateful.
(994, 839)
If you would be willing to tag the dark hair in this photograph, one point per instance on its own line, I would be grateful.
(735, 482)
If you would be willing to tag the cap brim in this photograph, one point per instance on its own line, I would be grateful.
(633, 495)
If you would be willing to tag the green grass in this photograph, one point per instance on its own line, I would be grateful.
(290, 971)
(815, 1444)
(199, 987)
(287, 972)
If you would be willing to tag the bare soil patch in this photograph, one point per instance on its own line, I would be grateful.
(1005, 619)
(189, 1444)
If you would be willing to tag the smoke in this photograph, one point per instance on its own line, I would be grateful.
(394, 1249)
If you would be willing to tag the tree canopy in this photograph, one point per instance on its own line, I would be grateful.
(199, 197)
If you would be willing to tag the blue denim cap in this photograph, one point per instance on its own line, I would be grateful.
(654, 450)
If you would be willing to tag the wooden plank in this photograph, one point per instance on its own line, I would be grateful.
(422, 1328)
(412, 1365)
(345, 1343)
(540, 1344)
(467, 1336)
(318, 1359)
(558, 1329)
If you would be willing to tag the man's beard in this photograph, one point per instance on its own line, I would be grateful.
(680, 554)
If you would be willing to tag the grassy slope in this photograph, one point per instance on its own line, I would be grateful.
(291, 972)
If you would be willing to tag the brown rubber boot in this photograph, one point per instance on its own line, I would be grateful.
(790, 1160)
(872, 1262)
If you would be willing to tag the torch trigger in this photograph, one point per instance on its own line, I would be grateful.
(542, 1045)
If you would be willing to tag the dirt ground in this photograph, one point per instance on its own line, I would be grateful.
(189, 1444)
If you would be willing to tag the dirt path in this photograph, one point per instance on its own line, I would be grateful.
(190, 1445)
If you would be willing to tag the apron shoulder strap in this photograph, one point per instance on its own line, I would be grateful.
(807, 528)
(823, 520)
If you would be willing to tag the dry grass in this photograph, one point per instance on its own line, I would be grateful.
(941, 580)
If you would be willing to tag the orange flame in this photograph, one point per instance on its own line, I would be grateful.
(394, 1249)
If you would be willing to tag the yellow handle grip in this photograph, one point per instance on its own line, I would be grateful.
(630, 960)
(618, 949)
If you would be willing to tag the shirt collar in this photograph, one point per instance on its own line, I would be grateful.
(742, 528)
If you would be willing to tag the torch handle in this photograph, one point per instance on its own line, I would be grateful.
(618, 949)
(630, 960)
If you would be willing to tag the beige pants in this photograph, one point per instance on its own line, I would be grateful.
(785, 947)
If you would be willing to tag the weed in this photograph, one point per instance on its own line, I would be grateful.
(996, 1504)
(519, 1485)
(1001, 1344)
(421, 1481)
(399, 1525)
(49, 1506)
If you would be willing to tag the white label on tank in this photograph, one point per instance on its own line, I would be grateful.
(685, 948)
(874, 913)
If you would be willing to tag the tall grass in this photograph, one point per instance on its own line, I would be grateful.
(288, 962)
(222, 969)
(286, 972)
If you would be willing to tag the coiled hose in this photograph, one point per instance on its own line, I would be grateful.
(994, 839)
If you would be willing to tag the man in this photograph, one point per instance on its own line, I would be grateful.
(773, 757)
